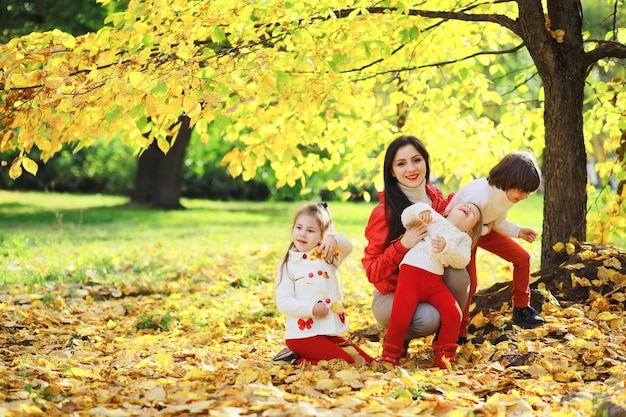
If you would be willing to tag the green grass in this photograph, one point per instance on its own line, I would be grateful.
(529, 212)
(52, 237)
(526, 213)
(56, 237)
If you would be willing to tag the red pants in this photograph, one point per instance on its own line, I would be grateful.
(414, 286)
(509, 250)
(317, 348)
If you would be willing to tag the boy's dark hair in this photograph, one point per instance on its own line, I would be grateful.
(517, 170)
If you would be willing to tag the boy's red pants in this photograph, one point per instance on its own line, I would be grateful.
(414, 286)
(317, 348)
(508, 249)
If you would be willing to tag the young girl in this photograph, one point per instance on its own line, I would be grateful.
(449, 243)
(509, 182)
(308, 291)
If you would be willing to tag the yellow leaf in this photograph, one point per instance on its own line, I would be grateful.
(558, 35)
(336, 307)
(31, 409)
(246, 376)
(580, 281)
(16, 170)
(613, 263)
(156, 394)
(164, 145)
(68, 41)
(326, 384)
(164, 360)
(587, 254)
(135, 78)
(558, 246)
(25, 79)
(79, 372)
(479, 320)
(30, 165)
(371, 388)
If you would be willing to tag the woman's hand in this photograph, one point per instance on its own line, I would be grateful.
(414, 235)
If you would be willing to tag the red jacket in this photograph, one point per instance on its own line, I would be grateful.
(382, 263)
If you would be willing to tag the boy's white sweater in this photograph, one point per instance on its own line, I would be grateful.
(493, 203)
(457, 252)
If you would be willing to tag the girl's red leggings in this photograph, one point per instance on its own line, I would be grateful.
(317, 348)
(508, 249)
(416, 285)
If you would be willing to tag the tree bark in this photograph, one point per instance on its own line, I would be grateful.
(565, 198)
(159, 175)
(562, 67)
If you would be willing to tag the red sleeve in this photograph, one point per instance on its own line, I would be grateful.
(380, 262)
(435, 194)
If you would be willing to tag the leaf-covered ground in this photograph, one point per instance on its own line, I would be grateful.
(201, 343)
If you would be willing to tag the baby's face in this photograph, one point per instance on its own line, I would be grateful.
(464, 216)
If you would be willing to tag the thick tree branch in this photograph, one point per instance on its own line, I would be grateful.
(434, 64)
(605, 49)
(502, 20)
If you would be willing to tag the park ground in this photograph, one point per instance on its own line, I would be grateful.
(109, 310)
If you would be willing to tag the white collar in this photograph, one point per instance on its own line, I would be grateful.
(416, 195)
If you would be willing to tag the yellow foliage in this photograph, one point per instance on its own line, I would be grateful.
(558, 246)
(211, 61)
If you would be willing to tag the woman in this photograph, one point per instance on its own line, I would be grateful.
(406, 177)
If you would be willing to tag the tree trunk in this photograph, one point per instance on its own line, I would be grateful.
(565, 199)
(159, 175)
(562, 67)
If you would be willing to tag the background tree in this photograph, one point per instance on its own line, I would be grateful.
(307, 88)
(21, 17)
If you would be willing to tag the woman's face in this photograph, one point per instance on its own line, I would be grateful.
(409, 167)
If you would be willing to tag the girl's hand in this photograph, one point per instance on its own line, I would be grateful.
(320, 310)
(426, 216)
(414, 235)
(328, 246)
(529, 235)
(439, 244)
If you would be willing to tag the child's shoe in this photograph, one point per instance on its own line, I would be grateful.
(444, 356)
(391, 354)
(286, 355)
(527, 317)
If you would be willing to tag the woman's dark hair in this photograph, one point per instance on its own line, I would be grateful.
(395, 200)
(517, 170)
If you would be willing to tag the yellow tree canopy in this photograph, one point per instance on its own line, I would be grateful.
(301, 85)
(289, 82)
